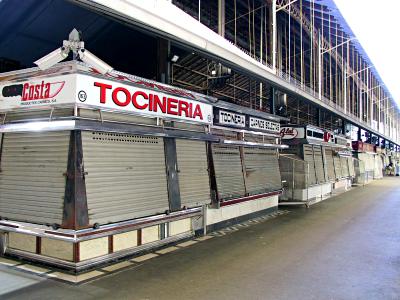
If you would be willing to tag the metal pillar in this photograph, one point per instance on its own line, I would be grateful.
(75, 214)
(344, 125)
(359, 134)
(163, 61)
(344, 89)
(319, 117)
(369, 138)
(221, 17)
(319, 67)
(171, 162)
(272, 100)
(274, 37)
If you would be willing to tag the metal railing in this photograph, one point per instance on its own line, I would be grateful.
(303, 87)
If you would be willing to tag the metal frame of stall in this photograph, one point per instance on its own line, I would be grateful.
(366, 152)
(119, 108)
(296, 136)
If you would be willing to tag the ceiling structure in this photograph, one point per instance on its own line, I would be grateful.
(26, 36)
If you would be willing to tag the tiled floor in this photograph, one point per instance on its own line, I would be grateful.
(344, 248)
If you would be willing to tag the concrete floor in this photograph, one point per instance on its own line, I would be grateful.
(347, 247)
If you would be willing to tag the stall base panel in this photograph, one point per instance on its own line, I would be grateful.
(342, 185)
(312, 193)
(57, 249)
(93, 248)
(180, 226)
(126, 240)
(225, 213)
(150, 234)
(22, 242)
(98, 250)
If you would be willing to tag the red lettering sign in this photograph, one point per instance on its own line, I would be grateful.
(147, 101)
(43, 90)
(288, 133)
(327, 137)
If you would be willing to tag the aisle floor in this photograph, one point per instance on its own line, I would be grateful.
(347, 247)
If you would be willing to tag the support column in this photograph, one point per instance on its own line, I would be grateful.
(163, 60)
(319, 117)
(272, 100)
(274, 34)
(319, 67)
(174, 197)
(345, 89)
(344, 127)
(359, 134)
(221, 17)
(369, 138)
(75, 215)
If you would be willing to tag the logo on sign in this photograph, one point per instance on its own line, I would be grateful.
(327, 137)
(41, 91)
(82, 96)
(288, 133)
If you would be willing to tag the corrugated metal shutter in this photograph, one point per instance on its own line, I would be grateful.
(309, 157)
(357, 167)
(329, 163)
(345, 168)
(364, 158)
(319, 164)
(126, 176)
(350, 163)
(370, 164)
(262, 139)
(262, 170)
(38, 114)
(194, 184)
(228, 171)
(338, 166)
(32, 181)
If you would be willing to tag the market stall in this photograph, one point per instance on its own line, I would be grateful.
(98, 166)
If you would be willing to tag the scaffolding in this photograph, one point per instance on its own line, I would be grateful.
(307, 43)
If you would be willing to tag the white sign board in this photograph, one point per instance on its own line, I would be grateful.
(289, 133)
(232, 119)
(89, 91)
(256, 123)
(117, 96)
(38, 92)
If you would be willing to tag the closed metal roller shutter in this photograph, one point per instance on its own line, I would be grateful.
(262, 139)
(228, 171)
(38, 114)
(329, 163)
(194, 182)
(224, 134)
(309, 157)
(262, 170)
(338, 166)
(351, 166)
(319, 164)
(369, 162)
(32, 181)
(126, 176)
(345, 168)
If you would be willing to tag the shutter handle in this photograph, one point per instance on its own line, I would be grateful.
(83, 171)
